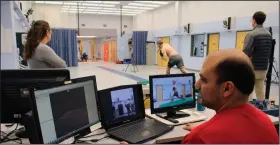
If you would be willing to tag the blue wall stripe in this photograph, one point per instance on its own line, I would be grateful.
(130, 76)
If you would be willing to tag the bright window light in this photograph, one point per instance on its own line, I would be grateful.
(53, 2)
(111, 2)
(103, 5)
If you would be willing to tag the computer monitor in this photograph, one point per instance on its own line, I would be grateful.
(65, 111)
(171, 93)
(15, 99)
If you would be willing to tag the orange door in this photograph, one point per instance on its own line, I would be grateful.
(92, 49)
(114, 51)
(106, 51)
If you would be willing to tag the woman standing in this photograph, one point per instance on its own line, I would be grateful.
(36, 52)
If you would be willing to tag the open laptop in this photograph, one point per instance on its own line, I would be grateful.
(123, 115)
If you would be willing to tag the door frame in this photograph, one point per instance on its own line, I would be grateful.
(236, 36)
(207, 52)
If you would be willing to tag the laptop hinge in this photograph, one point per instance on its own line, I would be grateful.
(127, 124)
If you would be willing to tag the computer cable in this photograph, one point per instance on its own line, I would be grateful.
(91, 140)
(94, 134)
(7, 139)
(8, 134)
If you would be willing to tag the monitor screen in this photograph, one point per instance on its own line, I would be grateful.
(172, 92)
(15, 84)
(126, 103)
(66, 110)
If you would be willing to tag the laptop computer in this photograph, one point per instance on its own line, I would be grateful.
(122, 115)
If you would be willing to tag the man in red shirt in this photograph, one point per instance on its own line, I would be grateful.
(226, 81)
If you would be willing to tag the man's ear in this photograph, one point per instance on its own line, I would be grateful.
(228, 88)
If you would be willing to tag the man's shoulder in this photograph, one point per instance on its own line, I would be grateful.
(259, 31)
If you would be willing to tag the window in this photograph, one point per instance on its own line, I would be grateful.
(197, 45)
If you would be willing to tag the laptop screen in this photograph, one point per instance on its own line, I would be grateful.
(120, 105)
(64, 111)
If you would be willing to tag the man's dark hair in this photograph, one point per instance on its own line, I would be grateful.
(259, 17)
(239, 72)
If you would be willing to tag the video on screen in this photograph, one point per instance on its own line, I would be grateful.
(170, 92)
(123, 103)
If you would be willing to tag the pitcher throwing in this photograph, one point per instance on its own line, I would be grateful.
(166, 51)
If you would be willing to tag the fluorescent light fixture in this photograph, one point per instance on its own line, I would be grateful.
(149, 5)
(93, 2)
(65, 6)
(160, 2)
(143, 1)
(130, 7)
(133, 10)
(86, 36)
(89, 4)
(72, 12)
(111, 2)
(136, 4)
(39, 2)
(129, 14)
(94, 8)
(70, 3)
(111, 9)
(103, 5)
(53, 2)
(145, 8)
(104, 13)
(89, 12)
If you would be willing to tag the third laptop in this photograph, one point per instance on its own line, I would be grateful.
(123, 115)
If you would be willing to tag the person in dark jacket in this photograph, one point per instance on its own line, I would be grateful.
(257, 45)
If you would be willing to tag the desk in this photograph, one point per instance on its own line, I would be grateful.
(178, 133)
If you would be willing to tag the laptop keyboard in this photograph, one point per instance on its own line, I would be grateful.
(125, 131)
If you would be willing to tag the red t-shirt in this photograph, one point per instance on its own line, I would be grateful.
(241, 125)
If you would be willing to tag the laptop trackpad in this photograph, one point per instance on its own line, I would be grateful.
(145, 133)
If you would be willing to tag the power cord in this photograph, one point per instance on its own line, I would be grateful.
(92, 140)
(5, 137)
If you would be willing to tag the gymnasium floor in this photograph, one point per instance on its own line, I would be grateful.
(110, 75)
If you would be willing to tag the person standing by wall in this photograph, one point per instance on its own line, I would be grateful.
(36, 51)
(257, 45)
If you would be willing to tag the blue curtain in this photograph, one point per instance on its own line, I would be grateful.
(139, 39)
(64, 43)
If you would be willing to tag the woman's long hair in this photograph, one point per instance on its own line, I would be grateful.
(35, 35)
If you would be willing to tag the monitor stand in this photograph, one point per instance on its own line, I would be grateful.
(173, 115)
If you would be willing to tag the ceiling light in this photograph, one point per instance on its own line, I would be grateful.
(94, 8)
(149, 5)
(133, 10)
(136, 4)
(39, 2)
(107, 11)
(129, 14)
(160, 2)
(70, 3)
(145, 8)
(143, 1)
(104, 13)
(110, 9)
(88, 4)
(92, 1)
(53, 2)
(89, 12)
(72, 12)
(130, 7)
(103, 5)
(65, 6)
(111, 2)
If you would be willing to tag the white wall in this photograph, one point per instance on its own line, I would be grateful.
(199, 12)
(53, 14)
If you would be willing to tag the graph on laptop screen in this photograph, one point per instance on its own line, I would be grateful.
(65, 110)
(172, 91)
(123, 103)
